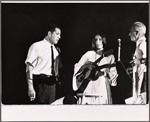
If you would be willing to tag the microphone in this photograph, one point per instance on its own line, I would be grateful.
(119, 40)
(119, 48)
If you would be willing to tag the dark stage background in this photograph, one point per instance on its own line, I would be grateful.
(23, 24)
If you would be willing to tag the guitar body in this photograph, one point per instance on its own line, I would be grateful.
(87, 72)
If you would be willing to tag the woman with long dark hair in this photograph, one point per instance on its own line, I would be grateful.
(106, 76)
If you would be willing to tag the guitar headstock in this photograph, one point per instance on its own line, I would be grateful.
(109, 52)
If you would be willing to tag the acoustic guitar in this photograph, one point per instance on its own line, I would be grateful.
(90, 71)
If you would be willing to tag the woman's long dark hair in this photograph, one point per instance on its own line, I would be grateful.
(93, 46)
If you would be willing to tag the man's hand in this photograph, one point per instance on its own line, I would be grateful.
(129, 70)
(136, 61)
(31, 94)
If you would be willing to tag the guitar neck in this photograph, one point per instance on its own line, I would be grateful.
(106, 66)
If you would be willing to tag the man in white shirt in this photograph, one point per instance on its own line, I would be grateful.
(42, 64)
(137, 34)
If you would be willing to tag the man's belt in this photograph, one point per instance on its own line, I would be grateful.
(40, 76)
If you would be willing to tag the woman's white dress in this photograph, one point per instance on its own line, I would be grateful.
(101, 86)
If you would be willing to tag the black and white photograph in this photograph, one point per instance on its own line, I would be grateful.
(59, 56)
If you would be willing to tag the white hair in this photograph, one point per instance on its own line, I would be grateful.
(139, 26)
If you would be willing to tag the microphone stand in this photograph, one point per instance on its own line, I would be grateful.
(119, 48)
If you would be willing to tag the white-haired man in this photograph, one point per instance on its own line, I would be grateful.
(137, 34)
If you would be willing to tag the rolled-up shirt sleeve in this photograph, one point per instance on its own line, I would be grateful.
(31, 56)
(143, 48)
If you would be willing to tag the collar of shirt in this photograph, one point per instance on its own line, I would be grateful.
(48, 42)
(140, 40)
(54, 49)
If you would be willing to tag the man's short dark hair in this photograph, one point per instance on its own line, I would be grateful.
(51, 27)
